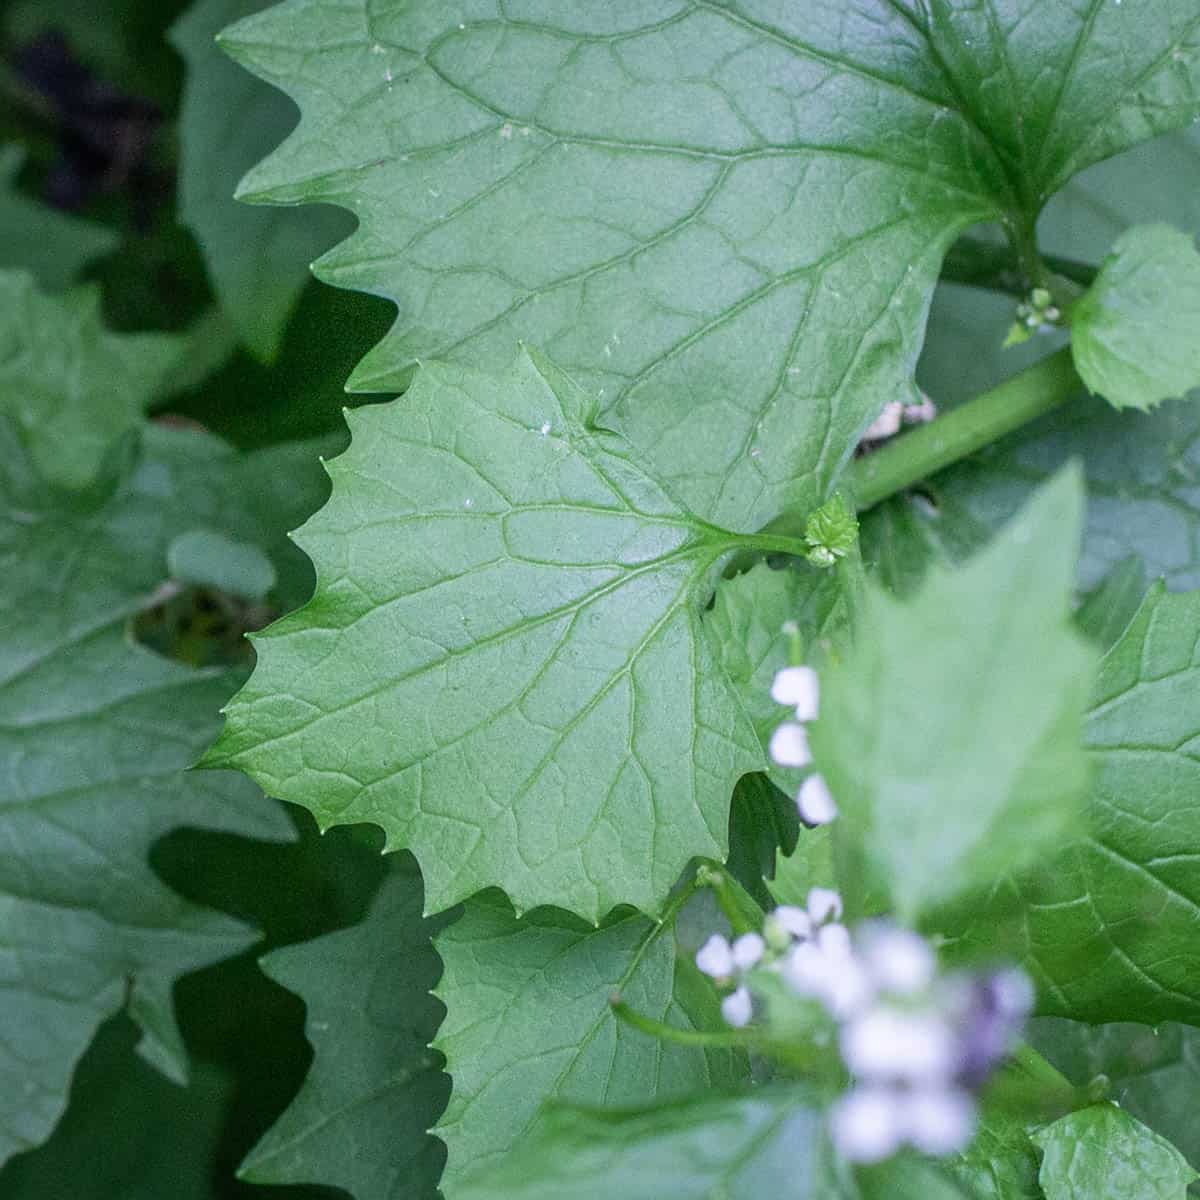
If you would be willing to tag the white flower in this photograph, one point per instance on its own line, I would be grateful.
(866, 1125)
(792, 920)
(798, 687)
(815, 802)
(1013, 993)
(900, 961)
(921, 413)
(715, 958)
(886, 424)
(748, 950)
(789, 745)
(736, 1008)
(825, 969)
(939, 1120)
(823, 904)
(887, 1043)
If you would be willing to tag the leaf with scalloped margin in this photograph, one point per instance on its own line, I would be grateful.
(725, 218)
(359, 1122)
(258, 259)
(1110, 928)
(1135, 334)
(53, 246)
(96, 734)
(528, 1021)
(1102, 1153)
(71, 386)
(505, 664)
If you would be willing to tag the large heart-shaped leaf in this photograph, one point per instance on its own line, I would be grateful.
(505, 664)
(725, 218)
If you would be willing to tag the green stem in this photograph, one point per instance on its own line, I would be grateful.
(728, 1039)
(927, 449)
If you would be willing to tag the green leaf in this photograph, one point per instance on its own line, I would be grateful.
(257, 259)
(951, 736)
(725, 219)
(360, 1120)
(52, 246)
(1110, 927)
(96, 733)
(1102, 1153)
(1133, 335)
(1105, 613)
(770, 1141)
(507, 625)
(210, 558)
(71, 386)
(1154, 1072)
(1001, 1162)
(907, 1177)
(128, 1133)
(810, 865)
(528, 1020)
(763, 821)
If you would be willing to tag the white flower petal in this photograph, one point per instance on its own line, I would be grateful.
(793, 920)
(798, 687)
(807, 971)
(815, 802)
(715, 957)
(939, 1120)
(748, 950)
(737, 1008)
(789, 745)
(824, 903)
(887, 1043)
(866, 1125)
(1013, 992)
(900, 961)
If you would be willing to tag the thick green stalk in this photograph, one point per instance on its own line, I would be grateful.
(961, 431)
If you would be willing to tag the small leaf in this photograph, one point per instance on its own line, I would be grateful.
(51, 245)
(528, 1020)
(505, 663)
(1135, 335)
(767, 1142)
(1102, 1153)
(951, 736)
(258, 259)
(71, 386)
(359, 1122)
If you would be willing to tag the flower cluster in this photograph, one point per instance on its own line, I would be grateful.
(918, 1042)
(798, 688)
